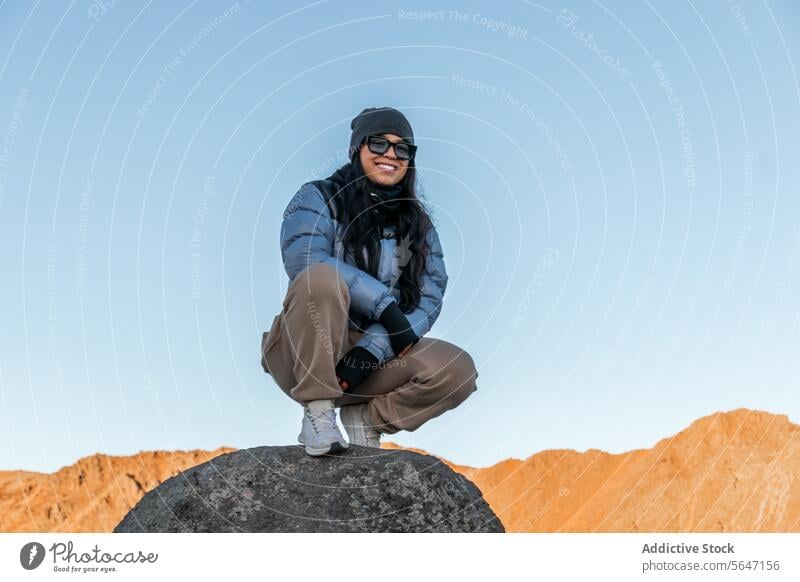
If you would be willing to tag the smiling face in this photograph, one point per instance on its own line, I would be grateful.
(384, 169)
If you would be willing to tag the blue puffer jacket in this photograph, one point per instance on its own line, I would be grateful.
(311, 234)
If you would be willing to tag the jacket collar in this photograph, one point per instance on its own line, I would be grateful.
(383, 198)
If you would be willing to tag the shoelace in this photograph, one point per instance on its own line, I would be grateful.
(314, 417)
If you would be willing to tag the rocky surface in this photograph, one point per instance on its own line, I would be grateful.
(734, 471)
(281, 489)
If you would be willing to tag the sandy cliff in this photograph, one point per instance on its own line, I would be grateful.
(736, 471)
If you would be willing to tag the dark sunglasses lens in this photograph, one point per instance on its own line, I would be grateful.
(378, 145)
(402, 151)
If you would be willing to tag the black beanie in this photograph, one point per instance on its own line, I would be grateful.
(379, 120)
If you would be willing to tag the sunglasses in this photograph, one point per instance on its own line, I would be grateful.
(380, 145)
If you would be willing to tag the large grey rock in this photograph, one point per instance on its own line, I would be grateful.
(281, 489)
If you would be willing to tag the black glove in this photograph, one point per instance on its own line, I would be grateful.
(401, 334)
(355, 366)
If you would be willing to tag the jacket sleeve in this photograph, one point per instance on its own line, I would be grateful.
(307, 237)
(434, 283)
(376, 341)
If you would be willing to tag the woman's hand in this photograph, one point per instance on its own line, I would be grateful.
(345, 385)
(354, 367)
(401, 334)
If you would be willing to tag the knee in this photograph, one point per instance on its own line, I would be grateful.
(462, 375)
(320, 281)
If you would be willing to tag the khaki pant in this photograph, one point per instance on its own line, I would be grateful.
(310, 335)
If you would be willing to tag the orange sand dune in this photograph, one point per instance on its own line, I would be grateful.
(732, 471)
(92, 495)
(736, 471)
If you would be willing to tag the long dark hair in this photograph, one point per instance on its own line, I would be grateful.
(363, 229)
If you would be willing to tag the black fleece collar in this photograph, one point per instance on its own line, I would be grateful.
(385, 199)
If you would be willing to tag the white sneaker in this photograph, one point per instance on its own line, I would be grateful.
(357, 425)
(320, 433)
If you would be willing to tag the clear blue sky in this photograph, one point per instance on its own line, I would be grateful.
(615, 185)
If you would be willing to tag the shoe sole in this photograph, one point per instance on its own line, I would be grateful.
(333, 448)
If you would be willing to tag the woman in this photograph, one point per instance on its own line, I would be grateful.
(367, 278)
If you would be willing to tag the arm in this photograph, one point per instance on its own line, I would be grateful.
(376, 341)
(434, 283)
(307, 237)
